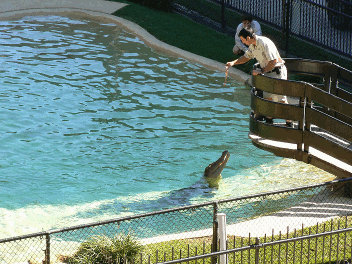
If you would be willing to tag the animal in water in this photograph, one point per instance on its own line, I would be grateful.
(204, 188)
(212, 173)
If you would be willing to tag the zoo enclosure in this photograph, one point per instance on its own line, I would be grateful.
(264, 221)
(326, 23)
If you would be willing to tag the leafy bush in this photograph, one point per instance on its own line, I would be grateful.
(104, 249)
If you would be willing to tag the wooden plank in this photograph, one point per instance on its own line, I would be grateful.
(276, 110)
(328, 100)
(329, 123)
(274, 132)
(329, 147)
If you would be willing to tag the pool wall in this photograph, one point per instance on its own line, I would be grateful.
(127, 25)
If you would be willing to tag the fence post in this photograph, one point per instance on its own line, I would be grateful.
(257, 241)
(47, 249)
(223, 22)
(223, 259)
(307, 125)
(286, 23)
(214, 246)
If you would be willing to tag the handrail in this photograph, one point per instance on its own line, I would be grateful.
(322, 115)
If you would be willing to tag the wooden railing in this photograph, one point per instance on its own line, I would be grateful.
(320, 104)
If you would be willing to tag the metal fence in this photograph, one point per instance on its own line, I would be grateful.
(325, 247)
(301, 215)
(327, 23)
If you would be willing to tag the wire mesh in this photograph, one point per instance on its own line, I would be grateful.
(189, 231)
(23, 250)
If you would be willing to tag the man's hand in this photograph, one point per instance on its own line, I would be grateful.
(240, 60)
(229, 64)
(256, 72)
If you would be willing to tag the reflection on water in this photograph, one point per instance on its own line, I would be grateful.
(94, 124)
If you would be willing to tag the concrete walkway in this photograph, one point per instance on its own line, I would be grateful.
(102, 10)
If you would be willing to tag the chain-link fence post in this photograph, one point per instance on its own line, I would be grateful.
(214, 246)
(47, 249)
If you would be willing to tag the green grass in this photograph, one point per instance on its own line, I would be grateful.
(322, 250)
(183, 33)
(297, 47)
(186, 34)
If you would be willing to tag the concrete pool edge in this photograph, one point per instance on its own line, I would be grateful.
(133, 28)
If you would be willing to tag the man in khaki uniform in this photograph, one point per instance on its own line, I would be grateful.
(269, 60)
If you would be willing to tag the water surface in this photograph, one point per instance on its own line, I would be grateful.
(95, 124)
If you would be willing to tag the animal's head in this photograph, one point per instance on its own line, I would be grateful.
(214, 169)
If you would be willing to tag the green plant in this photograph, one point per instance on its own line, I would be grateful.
(104, 249)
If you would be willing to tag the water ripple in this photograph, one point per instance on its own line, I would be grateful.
(89, 112)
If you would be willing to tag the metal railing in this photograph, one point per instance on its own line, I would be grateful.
(192, 230)
(320, 108)
(326, 247)
(327, 23)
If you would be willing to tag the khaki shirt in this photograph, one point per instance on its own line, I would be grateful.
(264, 51)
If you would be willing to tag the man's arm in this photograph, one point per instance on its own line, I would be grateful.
(240, 60)
(256, 28)
(270, 66)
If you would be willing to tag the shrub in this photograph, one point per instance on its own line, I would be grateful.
(104, 249)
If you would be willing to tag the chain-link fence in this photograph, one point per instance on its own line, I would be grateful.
(192, 230)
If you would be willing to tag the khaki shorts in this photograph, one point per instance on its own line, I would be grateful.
(277, 97)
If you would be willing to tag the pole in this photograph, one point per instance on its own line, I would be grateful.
(47, 249)
(223, 22)
(214, 246)
(257, 241)
(288, 4)
(222, 236)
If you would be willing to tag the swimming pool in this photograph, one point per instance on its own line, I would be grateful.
(95, 124)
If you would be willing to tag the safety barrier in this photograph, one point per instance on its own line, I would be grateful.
(192, 230)
(327, 23)
(320, 104)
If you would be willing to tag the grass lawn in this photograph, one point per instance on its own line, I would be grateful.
(325, 249)
(186, 34)
(182, 32)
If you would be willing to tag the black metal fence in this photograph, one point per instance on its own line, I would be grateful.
(326, 247)
(262, 220)
(327, 23)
